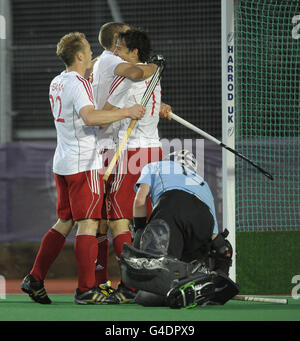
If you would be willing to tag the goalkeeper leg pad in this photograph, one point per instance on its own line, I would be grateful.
(148, 299)
(151, 272)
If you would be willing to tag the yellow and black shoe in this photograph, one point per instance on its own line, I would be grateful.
(93, 296)
(106, 288)
(124, 294)
(35, 290)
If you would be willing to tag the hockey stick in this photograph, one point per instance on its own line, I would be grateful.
(213, 139)
(150, 88)
(260, 299)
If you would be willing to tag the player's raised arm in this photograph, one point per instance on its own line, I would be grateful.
(135, 72)
(92, 117)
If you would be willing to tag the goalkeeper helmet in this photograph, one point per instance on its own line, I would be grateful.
(184, 157)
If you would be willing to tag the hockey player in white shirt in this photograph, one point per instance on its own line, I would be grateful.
(77, 173)
(105, 68)
(143, 145)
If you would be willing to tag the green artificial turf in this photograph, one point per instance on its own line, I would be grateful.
(267, 261)
(21, 308)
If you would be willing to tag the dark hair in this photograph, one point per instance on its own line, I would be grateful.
(107, 31)
(69, 45)
(137, 39)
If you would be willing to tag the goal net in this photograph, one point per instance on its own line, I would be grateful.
(267, 113)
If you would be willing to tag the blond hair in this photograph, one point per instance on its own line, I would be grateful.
(69, 45)
(107, 32)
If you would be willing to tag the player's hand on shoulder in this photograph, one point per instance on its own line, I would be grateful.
(136, 112)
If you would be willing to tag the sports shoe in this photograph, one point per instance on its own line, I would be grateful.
(35, 290)
(106, 288)
(191, 293)
(93, 296)
(203, 288)
(124, 294)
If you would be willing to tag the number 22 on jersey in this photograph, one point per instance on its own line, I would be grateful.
(56, 107)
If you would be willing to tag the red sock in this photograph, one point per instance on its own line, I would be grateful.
(118, 242)
(101, 272)
(86, 250)
(51, 245)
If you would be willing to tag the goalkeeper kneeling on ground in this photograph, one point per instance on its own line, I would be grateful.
(178, 258)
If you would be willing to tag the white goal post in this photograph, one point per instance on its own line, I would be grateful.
(228, 125)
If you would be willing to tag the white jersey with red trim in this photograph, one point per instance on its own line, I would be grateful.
(102, 77)
(125, 93)
(76, 149)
